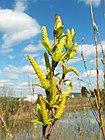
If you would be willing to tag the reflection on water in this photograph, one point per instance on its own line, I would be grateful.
(72, 126)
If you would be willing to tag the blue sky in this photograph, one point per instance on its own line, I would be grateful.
(20, 34)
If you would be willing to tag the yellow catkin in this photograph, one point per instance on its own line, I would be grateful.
(61, 44)
(58, 22)
(69, 39)
(53, 91)
(73, 53)
(39, 114)
(74, 70)
(44, 111)
(69, 88)
(61, 108)
(57, 55)
(45, 36)
(39, 73)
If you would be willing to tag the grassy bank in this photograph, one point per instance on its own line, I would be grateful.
(79, 103)
(14, 109)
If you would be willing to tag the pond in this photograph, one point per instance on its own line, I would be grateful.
(74, 125)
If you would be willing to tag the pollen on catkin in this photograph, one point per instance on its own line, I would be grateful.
(40, 75)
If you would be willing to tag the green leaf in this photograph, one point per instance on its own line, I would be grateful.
(48, 67)
(47, 47)
(54, 106)
(38, 122)
(37, 85)
(57, 74)
(59, 32)
(47, 61)
(66, 80)
(46, 101)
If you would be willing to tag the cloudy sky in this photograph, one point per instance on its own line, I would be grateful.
(20, 34)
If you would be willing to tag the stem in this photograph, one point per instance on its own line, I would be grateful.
(44, 132)
(103, 62)
(97, 76)
(50, 130)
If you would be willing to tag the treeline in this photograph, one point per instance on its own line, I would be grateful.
(92, 93)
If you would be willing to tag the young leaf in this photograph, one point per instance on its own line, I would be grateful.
(37, 122)
(48, 67)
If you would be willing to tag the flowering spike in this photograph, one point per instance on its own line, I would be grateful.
(73, 33)
(66, 70)
(61, 108)
(46, 42)
(69, 39)
(69, 88)
(44, 111)
(57, 55)
(39, 73)
(39, 114)
(73, 53)
(59, 27)
(53, 91)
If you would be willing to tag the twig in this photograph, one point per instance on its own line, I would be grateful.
(9, 135)
(103, 62)
(97, 71)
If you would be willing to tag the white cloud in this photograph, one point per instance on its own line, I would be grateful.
(96, 3)
(27, 68)
(30, 48)
(87, 49)
(20, 27)
(11, 57)
(74, 60)
(17, 70)
(92, 73)
(13, 76)
(33, 48)
(5, 82)
(8, 50)
(24, 84)
(10, 69)
(20, 5)
(90, 49)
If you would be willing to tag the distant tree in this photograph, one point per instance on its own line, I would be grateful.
(84, 91)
